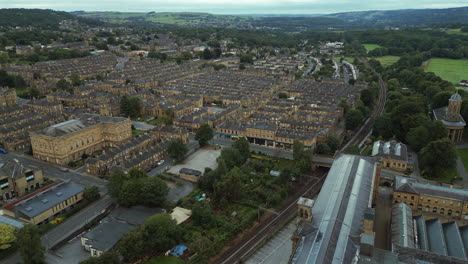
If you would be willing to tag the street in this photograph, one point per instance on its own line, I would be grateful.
(53, 171)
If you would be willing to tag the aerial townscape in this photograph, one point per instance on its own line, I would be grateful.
(257, 132)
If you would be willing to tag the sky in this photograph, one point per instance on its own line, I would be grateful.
(232, 6)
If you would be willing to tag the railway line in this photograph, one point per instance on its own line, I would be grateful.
(368, 125)
(256, 236)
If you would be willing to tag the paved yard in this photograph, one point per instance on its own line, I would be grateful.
(72, 252)
(277, 250)
(199, 160)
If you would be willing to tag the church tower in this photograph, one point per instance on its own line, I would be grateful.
(454, 107)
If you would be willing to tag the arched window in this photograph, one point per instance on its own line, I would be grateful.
(434, 210)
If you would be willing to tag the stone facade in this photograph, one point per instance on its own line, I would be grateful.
(68, 141)
(16, 181)
(7, 98)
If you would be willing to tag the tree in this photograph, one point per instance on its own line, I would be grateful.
(33, 92)
(63, 85)
(108, 257)
(204, 134)
(162, 232)
(91, 193)
(135, 107)
(153, 192)
(4, 58)
(437, 157)
(116, 181)
(29, 243)
(353, 119)
(283, 95)
(7, 236)
(229, 187)
(298, 149)
(177, 149)
(207, 55)
(125, 105)
(323, 148)
(132, 245)
(232, 157)
(243, 146)
(383, 126)
(202, 215)
(438, 130)
(367, 97)
(130, 193)
(137, 173)
(441, 99)
(418, 137)
(76, 79)
(333, 142)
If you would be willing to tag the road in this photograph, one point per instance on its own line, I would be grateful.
(270, 151)
(52, 171)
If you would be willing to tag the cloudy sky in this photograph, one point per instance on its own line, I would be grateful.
(232, 6)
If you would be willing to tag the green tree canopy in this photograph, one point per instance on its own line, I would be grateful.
(29, 243)
(204, 134)
(353, 119)
(436, 157)
(177, 149)
(7, 236)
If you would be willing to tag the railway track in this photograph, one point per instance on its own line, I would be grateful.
(368, 125)
(264, 230)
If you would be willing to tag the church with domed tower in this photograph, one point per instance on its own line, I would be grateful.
(450, 116)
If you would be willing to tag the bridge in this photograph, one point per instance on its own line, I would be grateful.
(322, 161)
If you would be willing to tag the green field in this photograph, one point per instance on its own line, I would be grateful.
(348, 59)
(165, 260)
(387, 60)
(370, 47)
(448, 69)
(463, 154)
(456, 31)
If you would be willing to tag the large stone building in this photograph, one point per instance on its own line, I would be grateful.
(16, 180)
(426, 199)
(450, 116)
(85, 134)
(7, 98)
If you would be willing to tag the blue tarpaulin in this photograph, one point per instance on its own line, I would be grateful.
(179, 250)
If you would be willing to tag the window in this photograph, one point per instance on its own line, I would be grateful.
(412, 197)
(419, 207)
(427, 208)
(457, 213)
(434, 210)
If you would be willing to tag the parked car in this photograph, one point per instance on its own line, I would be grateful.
(160, 162)
(64, 169)
(3, 151)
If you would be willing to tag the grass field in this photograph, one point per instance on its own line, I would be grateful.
(370, 47)
(463, 154)
(165, 260)
(456, 31)
(387, 60)
(448, 69)
(348, 59)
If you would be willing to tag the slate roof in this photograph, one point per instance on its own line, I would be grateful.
(43, 201)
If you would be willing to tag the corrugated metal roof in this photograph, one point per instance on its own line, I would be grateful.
(338, 212)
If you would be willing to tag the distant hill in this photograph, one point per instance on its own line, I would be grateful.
(406, 17)
(43, 18)
(174, 18)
